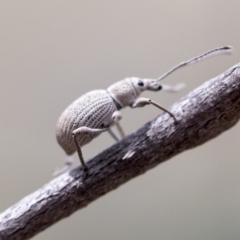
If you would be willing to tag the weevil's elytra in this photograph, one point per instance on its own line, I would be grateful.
(95, 112)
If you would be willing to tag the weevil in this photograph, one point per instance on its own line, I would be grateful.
(96, 111)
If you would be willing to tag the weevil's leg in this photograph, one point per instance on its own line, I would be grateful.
(77, 132)
(116, 117)
(79, 151)
(120, 130)
(113, 134)
(141, 102)
(67, 165)
(172, 89)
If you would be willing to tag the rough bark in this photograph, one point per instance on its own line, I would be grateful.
(202, 115)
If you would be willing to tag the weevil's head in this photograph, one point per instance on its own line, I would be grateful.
(145, 84)
(126, 91)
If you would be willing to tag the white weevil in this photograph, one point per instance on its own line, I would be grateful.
(95, 111)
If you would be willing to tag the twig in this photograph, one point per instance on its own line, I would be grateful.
(202, 115)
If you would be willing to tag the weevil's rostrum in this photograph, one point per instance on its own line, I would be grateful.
(95, 111)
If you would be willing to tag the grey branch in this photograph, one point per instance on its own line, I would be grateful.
(202, 115)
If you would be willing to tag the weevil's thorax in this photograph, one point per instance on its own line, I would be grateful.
(126, 91)
(123, 92)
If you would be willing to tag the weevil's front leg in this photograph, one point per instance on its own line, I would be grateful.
(116, 117)
(141, 102)
(77, 132)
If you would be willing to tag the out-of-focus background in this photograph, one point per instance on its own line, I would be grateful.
(51, 52)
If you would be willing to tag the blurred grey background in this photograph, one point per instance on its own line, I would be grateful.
(51, 52)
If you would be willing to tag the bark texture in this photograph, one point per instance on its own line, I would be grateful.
(202, 115)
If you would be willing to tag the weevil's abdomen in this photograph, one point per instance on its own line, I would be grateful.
(93, 110)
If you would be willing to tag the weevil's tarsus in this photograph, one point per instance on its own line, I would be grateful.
(141, 102)
(78, 132)
(215, 51)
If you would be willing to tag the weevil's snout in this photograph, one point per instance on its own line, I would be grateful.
(152, 84)
(146, 84)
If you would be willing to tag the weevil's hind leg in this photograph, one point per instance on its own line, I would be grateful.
(77, 132)
(141, 102)
(67, 165)
(116, 117)
(79, 151)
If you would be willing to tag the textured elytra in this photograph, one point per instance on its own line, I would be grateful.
(94, 110)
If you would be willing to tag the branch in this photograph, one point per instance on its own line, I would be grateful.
(202, 115)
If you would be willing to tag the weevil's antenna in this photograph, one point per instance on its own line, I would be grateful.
(215, 51)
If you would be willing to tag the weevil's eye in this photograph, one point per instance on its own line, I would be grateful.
(140, 83)
(159, 87)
